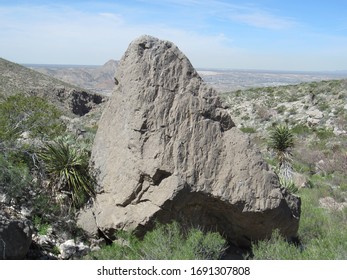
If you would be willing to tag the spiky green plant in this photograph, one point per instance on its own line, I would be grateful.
(282, 141)
(67, 166)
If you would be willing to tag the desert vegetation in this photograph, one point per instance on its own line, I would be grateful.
(165, 242)
(305, 127)
(44, 168)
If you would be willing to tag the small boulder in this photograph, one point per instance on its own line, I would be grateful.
(70, 249)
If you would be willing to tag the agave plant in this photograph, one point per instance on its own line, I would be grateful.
(67, 166)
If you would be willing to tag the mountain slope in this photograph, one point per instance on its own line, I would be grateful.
(17, 79)
(99, 79)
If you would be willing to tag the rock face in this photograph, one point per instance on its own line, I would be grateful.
(167, 149)
(15, 235)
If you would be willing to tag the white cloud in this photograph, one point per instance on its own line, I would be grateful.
(65, 35)
(263, 20)
(249, 14)
(116, 18)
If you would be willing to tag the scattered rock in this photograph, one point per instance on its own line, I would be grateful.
(86, 220)
(71, 249)
(4, 198)
(312, 122)
(300, 180)
(166, 149)
(331, 204)
(315, 114)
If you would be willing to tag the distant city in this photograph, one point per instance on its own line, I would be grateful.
(231, 80)
(100, 78)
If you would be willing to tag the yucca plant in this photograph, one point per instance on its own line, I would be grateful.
(67, 165)
(282, 141)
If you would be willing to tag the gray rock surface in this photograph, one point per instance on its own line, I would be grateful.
(70, 249)
(167, 149)
(15, 234)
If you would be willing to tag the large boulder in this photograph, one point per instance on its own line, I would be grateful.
(167, 149)
(15, 234)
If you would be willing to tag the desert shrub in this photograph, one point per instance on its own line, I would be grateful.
(281, 109)
(67, 166)
(275, 248)
(322, 233)
(324, 133)
(45, 206)
(248, 129)
(31, 114)
(14, 177)
(323, 106)
(165, 242)
(263, 112)
(41, 226)
(313, 218)
(301, 129)
(193, 245)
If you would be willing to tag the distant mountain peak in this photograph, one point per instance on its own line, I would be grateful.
(110, 64)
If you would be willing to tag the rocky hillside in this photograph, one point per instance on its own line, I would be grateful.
(191, 148)
(320, 105)
(316, 114)
(72, 100)
(98, 79)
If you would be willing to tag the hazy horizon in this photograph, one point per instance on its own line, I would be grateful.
(337, 72)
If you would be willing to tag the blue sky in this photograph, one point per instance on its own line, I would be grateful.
(265, 34)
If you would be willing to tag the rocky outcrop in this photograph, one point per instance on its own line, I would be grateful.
(71, 99)
(99, 79)
(15, 234)
(167, 149)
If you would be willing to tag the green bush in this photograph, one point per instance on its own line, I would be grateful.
(31, 114)
(322, 233)
(281, 109)
(165, 242)
(14, 177)
(45, 206)
(301, 129)
(324, 134)
(41, 226)
(276, 248)
(248, 129)
(67, 166)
